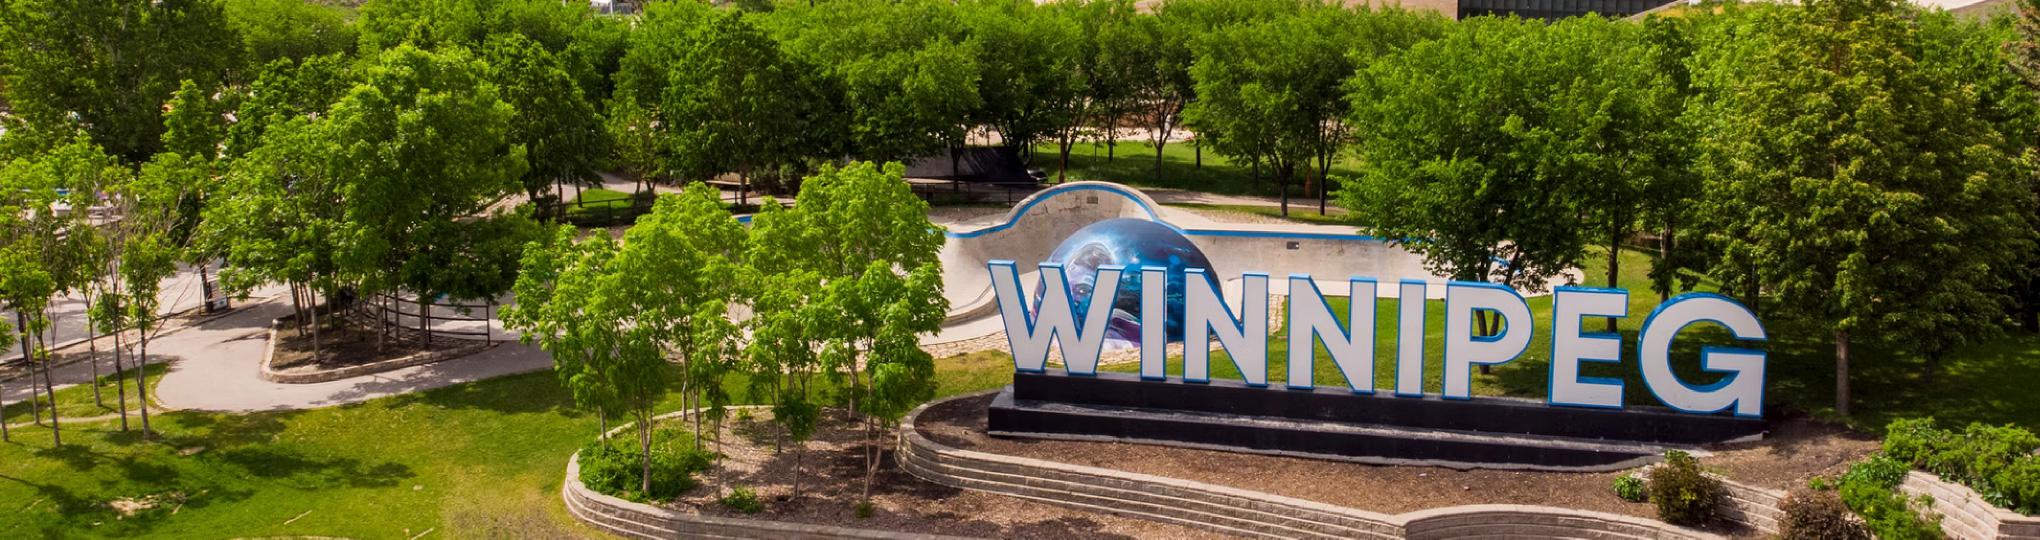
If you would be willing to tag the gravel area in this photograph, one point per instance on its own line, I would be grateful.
(1798, 449)
(833, 475)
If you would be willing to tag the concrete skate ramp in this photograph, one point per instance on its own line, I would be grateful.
(1034, 228)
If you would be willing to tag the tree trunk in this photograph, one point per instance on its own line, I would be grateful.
(1283, 172)
(1158, 162)
(872, 452)
(1842, 373)
(1481, 328)
(1664, 256)
(1933, 367)
(142, 380)
(1614, 270)
(1062, 172)
(424, 320)
(28, 361)
(50, 389)
(1198, 144)
(92, 348)
(645, 452)
(120, 376)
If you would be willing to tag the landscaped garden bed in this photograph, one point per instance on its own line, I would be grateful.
(347, 350)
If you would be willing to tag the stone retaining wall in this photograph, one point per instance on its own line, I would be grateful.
(1242, 512)
(638, 520)
(1964, 513)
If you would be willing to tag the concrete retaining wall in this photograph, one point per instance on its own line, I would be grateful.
(638, 520)
(1242, 512)
(1964, 513)
(269, 373)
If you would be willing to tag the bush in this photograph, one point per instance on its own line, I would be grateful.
(612, 468)
(1682, 493)
(1630, 488)
(1870, 489)
(1996, 461)
(864, 510)
(1812, 514)
(742, 499)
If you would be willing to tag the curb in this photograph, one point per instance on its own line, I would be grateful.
(269, 373)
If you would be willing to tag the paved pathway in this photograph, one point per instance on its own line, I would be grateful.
(215, 365)
(179, 292)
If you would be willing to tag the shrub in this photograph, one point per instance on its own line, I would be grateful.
(1870, 489)
(742, 499)
(1630, 488)
(612, 467)
(1682, 493)
(864, 510)
(1812, 514)
(1996, 461)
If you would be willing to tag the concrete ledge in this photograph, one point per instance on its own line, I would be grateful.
(1244, 512)
(1965, 514)
(269, 372)
(638, 520)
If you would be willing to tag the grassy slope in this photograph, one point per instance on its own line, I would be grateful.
(76, 402)
(479, 459)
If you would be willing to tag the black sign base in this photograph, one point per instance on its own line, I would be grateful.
(1338, 424)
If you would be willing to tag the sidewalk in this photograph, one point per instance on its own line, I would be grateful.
(214, 367)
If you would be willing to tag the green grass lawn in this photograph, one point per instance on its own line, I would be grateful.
(1308, 214)
(76, 401)
(476, 460)
(1991, 383)
(1134, 164)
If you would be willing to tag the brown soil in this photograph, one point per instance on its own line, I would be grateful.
(347, 345)
(832, 480)
(1797, 450)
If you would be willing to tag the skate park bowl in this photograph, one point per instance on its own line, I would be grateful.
(1036, 226)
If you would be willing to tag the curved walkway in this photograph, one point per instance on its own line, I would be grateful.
(215, 366)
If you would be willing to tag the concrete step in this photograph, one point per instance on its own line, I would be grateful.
(1235, 518)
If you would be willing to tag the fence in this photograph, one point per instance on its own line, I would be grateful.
(953, 191)
(454, 320)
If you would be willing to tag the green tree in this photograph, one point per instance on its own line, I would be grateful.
(905, 71)
(1273, 89)
(194, 125)
(571, 303)
(675, 268)
(423, 146)
(1029, 57)
(1471, 149)
(278, 217)
(108, 65)
(1852, 180)
(563, 138)
(287, 89)
(272, 30)
(864, 234)
(734, 103)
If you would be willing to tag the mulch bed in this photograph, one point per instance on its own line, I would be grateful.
(833, 479)
(1797, 450)
(348, 345)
